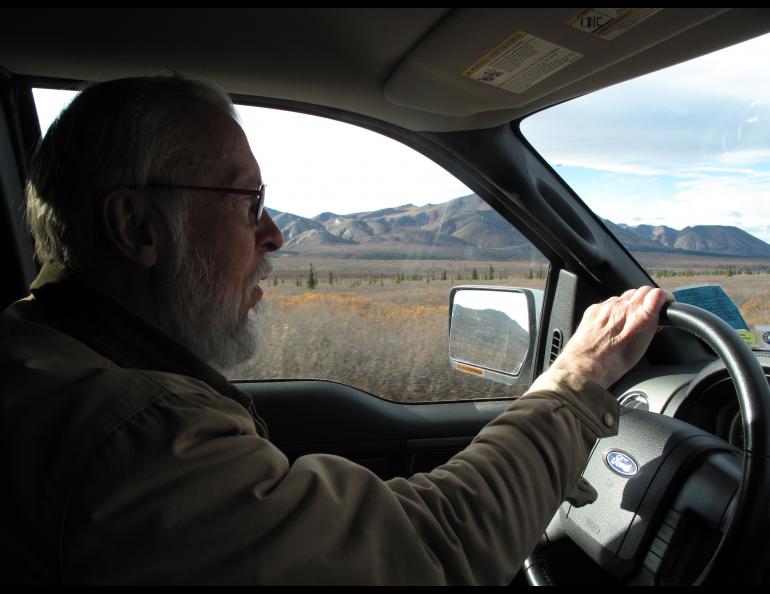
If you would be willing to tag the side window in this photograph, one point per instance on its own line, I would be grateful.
(49, 104)
(375, 237)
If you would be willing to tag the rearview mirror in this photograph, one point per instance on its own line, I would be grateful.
(493, 332)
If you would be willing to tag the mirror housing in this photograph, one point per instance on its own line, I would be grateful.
(493, 332)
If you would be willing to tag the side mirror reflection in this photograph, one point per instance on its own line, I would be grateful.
(493, 331)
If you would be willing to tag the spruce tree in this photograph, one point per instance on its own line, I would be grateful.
(311, 279)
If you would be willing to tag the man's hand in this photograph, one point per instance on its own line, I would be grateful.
(613, 335)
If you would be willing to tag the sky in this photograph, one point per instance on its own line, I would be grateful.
(684, 146)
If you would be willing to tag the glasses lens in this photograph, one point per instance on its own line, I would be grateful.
(261, 206)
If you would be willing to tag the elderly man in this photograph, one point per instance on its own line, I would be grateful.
(130, 459)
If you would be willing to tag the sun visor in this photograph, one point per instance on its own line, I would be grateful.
(490, 59)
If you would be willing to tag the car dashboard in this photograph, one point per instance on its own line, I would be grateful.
(700, 394)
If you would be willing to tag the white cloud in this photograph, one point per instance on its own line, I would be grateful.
(761, 231)
(705, 169)
(747, 157)
(736, 67)
(613, 167)
(714, 200)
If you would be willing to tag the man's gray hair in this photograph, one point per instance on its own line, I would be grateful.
(120, 133)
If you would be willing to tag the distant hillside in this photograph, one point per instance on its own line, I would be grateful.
(713, 240)
(468, 228)
(488, 337)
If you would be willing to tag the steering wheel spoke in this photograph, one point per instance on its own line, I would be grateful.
(694, 524)
(639, 474)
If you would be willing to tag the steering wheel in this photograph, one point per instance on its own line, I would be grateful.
(676, 504)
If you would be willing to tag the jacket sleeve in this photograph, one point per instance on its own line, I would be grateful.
(186, 492)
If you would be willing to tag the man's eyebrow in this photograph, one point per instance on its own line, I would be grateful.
(246, 181)
(253, 183)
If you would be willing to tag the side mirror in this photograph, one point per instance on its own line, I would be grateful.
(493, 332)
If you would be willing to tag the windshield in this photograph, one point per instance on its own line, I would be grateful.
(677, 164)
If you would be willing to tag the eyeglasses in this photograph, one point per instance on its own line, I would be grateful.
(257, 196)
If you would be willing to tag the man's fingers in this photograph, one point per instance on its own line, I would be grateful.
(638, 307)
(629, 294)
(655, 300)
(625, 313)
(614, 335)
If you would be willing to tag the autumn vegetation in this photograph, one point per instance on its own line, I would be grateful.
(381, 326)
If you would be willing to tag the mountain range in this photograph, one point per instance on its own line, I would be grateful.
(468, 228)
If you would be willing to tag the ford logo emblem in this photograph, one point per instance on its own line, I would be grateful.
(622, 463)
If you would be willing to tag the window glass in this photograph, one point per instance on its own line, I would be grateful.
(375, 236)
(677, 163)
(49, 104)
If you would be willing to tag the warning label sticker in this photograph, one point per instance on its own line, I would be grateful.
(520, 62)
(609, 23)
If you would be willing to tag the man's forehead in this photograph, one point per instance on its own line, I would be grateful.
(219, 147)
(228, 168)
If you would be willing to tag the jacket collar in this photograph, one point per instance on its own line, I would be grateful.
(120, 335)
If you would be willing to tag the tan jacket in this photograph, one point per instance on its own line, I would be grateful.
(129, 461)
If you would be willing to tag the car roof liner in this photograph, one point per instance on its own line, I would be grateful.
(434, 76)
(403, 66)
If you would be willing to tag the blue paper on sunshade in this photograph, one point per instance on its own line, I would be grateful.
(714, 299)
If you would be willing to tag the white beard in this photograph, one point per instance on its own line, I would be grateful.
(197, 309)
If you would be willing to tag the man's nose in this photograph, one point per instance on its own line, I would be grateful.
(269, 236)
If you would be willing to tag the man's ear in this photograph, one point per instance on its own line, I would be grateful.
(131, 226)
